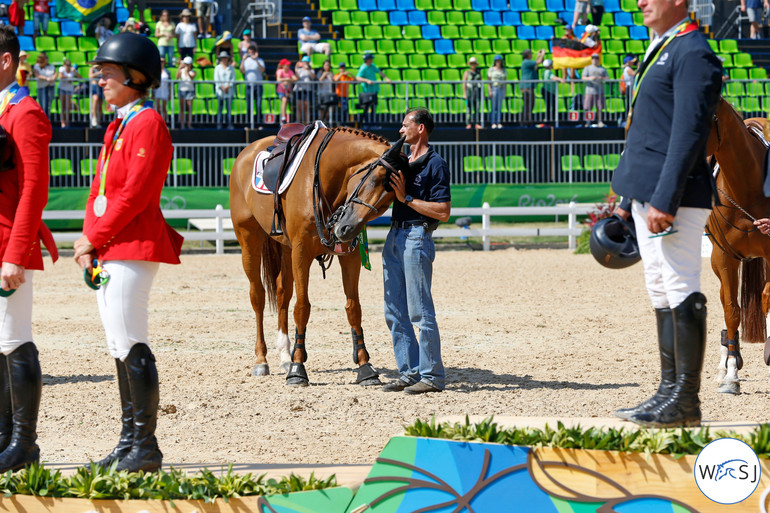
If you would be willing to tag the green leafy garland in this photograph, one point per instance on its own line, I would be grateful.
(676, 442)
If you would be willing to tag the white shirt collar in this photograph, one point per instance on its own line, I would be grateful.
(658, 38)
(6, 90)
(125, 109)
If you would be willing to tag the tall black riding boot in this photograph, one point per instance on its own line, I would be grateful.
(682, 408)
(143, 382)
(26, 382)
(665, 321)
(127, 418)
(6, 413)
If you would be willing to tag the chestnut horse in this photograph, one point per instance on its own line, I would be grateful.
(738, 244)
(342, 183)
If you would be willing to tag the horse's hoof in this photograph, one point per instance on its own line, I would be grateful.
(261, 369)
(297, 376)
(367, 375)
(767, 351)
(284, 367)
(732, 387)
(297, 382)
(371, 382)
(720, 375)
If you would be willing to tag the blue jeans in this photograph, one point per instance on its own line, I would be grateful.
(168, 53)
(496, 105)
(44, 98)
(224, 104)
(407, 268)
(40, 22)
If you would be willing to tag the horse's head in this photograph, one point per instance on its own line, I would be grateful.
(369, 196)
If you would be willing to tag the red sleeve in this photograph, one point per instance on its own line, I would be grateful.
(31, 135)
(145, 174)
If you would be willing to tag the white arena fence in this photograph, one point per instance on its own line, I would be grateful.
(215, 225)
(482, 162)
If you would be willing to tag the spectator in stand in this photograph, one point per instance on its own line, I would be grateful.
(343, 92)
(285, 78)
(303, 89)
(97, 95)
(165, 32)
(66, 75)
(16, 16)
(185, 32)
(185, 75)
(253, 69)
(103, 31)
(582, 7)
(41, 14)
(570, 73)
(597, 11)
(203, 12)
(129, 26)
(223, 44)
(472, 92)
(45, 74)
(496, 90)
(367, 74)
(591, 36)
(224, 80)
(753, 8)
(529, 72)
(310, 40)
(327, 98)
(630, 63)
(243, 46)
(594, 76)
(24, 70)
(549, 91)
(163, 92)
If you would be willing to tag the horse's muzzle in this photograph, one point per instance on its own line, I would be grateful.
(346, 232)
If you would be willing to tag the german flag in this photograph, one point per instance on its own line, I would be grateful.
(570, 53)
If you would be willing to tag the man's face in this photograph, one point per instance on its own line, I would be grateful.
(306, 25)
(657, 13)
(410, 129)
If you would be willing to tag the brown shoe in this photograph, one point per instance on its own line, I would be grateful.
(421, 388)
(397, 385)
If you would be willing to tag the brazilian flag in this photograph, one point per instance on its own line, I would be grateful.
(83, 10)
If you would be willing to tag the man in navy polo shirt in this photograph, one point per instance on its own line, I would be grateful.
(422, 200)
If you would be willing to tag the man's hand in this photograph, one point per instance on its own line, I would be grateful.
(763, 225)
(11, 276)
(623, 214)
(658, 221)
(399, 185)
(83, 247)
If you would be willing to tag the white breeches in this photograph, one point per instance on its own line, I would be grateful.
(16, 316)
(123, 303)
(672, 263)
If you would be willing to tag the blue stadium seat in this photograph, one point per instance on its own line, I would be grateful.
(554, 5)
(29, 27)
(444, 46)
(398, 18)
(367, 5)
(480, 5)
(493, 18)
(121, 14)
(638, 32)
(569, 5)
(27, 43)
(544, 32)
(526, 32)
(519, 5)
(612, 6)
(431, 31)
(418, 18)
(511, 18)
(624, 19)
(405, 5)
(499, 5)
(70, 28)
(386, 5)
(578, 30)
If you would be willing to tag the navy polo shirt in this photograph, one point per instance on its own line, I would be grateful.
(430, 182)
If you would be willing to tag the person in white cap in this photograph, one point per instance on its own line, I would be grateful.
(185, 75)
(472, 92)
(590, 36)
(594, 76)
(224, 80)
(548, 91)
(185, 32)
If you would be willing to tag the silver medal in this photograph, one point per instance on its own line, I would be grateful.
(100, 205)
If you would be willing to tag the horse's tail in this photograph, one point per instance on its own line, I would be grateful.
(752, 317)
(271, 267)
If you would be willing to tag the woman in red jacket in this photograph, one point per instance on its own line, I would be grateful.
(125, 231)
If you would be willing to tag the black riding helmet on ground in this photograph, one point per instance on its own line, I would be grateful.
(135, 52)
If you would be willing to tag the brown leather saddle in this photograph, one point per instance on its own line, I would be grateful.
(285, 147)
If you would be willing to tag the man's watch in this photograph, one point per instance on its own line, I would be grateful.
(408, 199)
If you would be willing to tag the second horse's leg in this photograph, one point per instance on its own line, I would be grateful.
(300, 265)
(284, 289)
(726, 268)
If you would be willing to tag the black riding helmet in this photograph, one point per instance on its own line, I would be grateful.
(613, 243)
(132, 51)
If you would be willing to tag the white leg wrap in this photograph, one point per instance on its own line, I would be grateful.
(722, 367)
(282, 344)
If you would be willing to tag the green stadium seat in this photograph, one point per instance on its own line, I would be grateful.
(386, 47)
(548, 18)
(455, 18)
(530, 18)
(329, 5)
(605, 32)
(411, 75)
(404, 47)
(348, 5)
(593, 162)
(457, 60)
(462, 5)
(506, 32)
(463, 46)
(739, 74)
(437, 61)
(387, 90)
(734, 89)
(391, 32)
(519, 45)
(430, 75)
(750, 106)
(412, 32)
(341, 18)
(424, 5)
(444, 90)
(53, 29)
(417, 61)
(618, 32)
(346, 46)
(61, 167)
(635, 47)
(571, 162)
(372, 34)
(437, 18)
(628, 5)
(205, 90)
(474, 18)
(608, 18)
(754, 88)
(501, 46)
(469, 32)
(438, 106)
(66, 44)
(515, 163)
(396, 106)
(611, 60)
(494, 163)
(482, 46)
(538, 45)
(450, 32)
(442, 5)
(613, 46)
(728, 46)
(742, 60)
(183, 166)
(472, 164)
(450, 74)
(88, 167)
(78, 58)
(56, 57)
(228, 163)
(638, 18)
(611, 161)
(88, 44)
(727, 60)
(487, 32)
(45, 44)
(353, 32)
(423, 46)
(456, 106)
(758, 74)
(356, 18)
(537, 5)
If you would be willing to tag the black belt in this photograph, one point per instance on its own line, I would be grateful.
(428, 225)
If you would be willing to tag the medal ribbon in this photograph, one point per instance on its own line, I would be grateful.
(104, 158)
(8, 97)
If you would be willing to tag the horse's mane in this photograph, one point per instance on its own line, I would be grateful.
(361, 133)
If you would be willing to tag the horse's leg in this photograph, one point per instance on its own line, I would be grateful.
(726, 268)
(251, 238)
(284, 292)
(300, 264)
(766, 307)
(351, 271)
